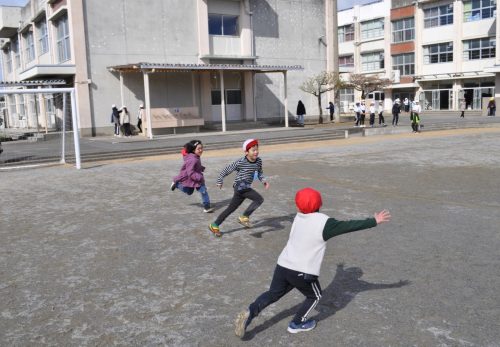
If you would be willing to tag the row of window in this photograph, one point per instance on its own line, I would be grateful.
(404, 29)
(30, 50)
(433, 54)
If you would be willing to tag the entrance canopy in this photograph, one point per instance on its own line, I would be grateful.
(151, 68)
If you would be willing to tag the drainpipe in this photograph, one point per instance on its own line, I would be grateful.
(252, 52)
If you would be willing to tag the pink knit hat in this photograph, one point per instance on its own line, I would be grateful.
(308, 200)
(249, 144)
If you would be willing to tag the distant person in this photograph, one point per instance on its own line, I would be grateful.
(357, 113)
(372, 114)
(381, 119)
(492, 107)
(462, 108)
(300, 261)
(396, 110)
(331, 108)
(363, 114)
(115, 118)
(415, 116)
(140, 116)
(301, 111)
(406, 104)
(125, 121)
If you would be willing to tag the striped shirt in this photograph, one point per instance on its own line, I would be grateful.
(245, 172)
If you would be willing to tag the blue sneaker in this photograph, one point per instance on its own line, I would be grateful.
(242, 322)
(309, 324)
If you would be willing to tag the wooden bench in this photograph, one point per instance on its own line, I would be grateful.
(167, 120)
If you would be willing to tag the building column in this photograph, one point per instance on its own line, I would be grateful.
(222, 101)
(285, 98)
(147, 102)
(122, 98)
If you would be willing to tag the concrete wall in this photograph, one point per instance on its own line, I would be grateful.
(287, 33)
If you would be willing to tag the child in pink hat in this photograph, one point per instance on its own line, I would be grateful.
(247, 168)
(300, 261)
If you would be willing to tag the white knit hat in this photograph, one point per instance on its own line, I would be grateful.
(249, 144)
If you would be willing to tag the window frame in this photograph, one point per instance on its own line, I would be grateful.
(63, 39)
(407, 64)
(43, 36)
(29, 44)
(372, 32)
(17, 54)
(439, 17)
(350, 60)
(222, 27)
(439, 52)
(408, 27)
(8, 59)
(346, 35)
(481, 12)
(483, 52)
(366, 64)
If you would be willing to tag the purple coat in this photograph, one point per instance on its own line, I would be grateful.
(191, 174)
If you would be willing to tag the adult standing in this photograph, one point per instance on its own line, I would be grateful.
(115, 118)
(140, 116)
(396, 109)
(331, 108)
(125, 121)
(357, 111)
(492, 107)
(301, 111)
(363, 113)
(462, 108)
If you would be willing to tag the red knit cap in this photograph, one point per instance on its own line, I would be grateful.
(249, 144)
(308, 200)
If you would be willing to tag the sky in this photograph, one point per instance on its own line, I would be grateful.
(13, 2)
(343, 4)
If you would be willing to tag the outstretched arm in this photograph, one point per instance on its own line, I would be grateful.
(382, 216)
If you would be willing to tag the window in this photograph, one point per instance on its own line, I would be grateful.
(377, 96)
(403, 30)
(346, 61)
(479, 9)
(233, 97)
(439, 53)
(43, 38)
(63, 44)
(372, 61)
(346, 33)
(15, 50)
(372, 28)
(346, 95)
(437, 16)
(219, 24)
(29, 44)
(405, 63)
(479, 48)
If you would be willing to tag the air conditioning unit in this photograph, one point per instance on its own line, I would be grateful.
(396, 75)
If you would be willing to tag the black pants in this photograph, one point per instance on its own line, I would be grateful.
(381, 119)
(238, 198)
(358, 118)
(414, 126)
(117, 129)
(126, 129)
(395, 118)
(331, 116)
(139, 123)
(372, 118)
(362, 119)
(284, 280)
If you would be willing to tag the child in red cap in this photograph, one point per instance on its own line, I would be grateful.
(247, 168)
(300, 261)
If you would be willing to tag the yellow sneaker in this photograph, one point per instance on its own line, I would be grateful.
(245, 221)
(214, 228)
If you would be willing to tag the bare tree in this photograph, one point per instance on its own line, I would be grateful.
(322, 83)
(367, 84)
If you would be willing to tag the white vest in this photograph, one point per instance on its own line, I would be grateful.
(305, 248)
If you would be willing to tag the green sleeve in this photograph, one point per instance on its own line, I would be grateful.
(335, 227)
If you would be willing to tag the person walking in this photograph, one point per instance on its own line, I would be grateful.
(140, 116)
(115, 118)
(406, 105)
(492, 107)
(301, 111)
(363, 114)
(331, 108)
(462, 108)
(125, 121)
(381, 120)
(357, 113)
(191, 176)
(299, 263)
(372, 114)
(415, 116)
(396, 110)
(247, 168)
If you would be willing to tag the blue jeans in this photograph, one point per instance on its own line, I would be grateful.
(205, 199)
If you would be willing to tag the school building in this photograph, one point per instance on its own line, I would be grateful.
(438, 51)
(176, 57)
(173, 56)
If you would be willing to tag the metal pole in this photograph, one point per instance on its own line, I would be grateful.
(285, 101)
(63, 150)
(76, 135)
(148, 104)
(36, 114)
(222, 101)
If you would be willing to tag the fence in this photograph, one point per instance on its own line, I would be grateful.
(36, 127)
